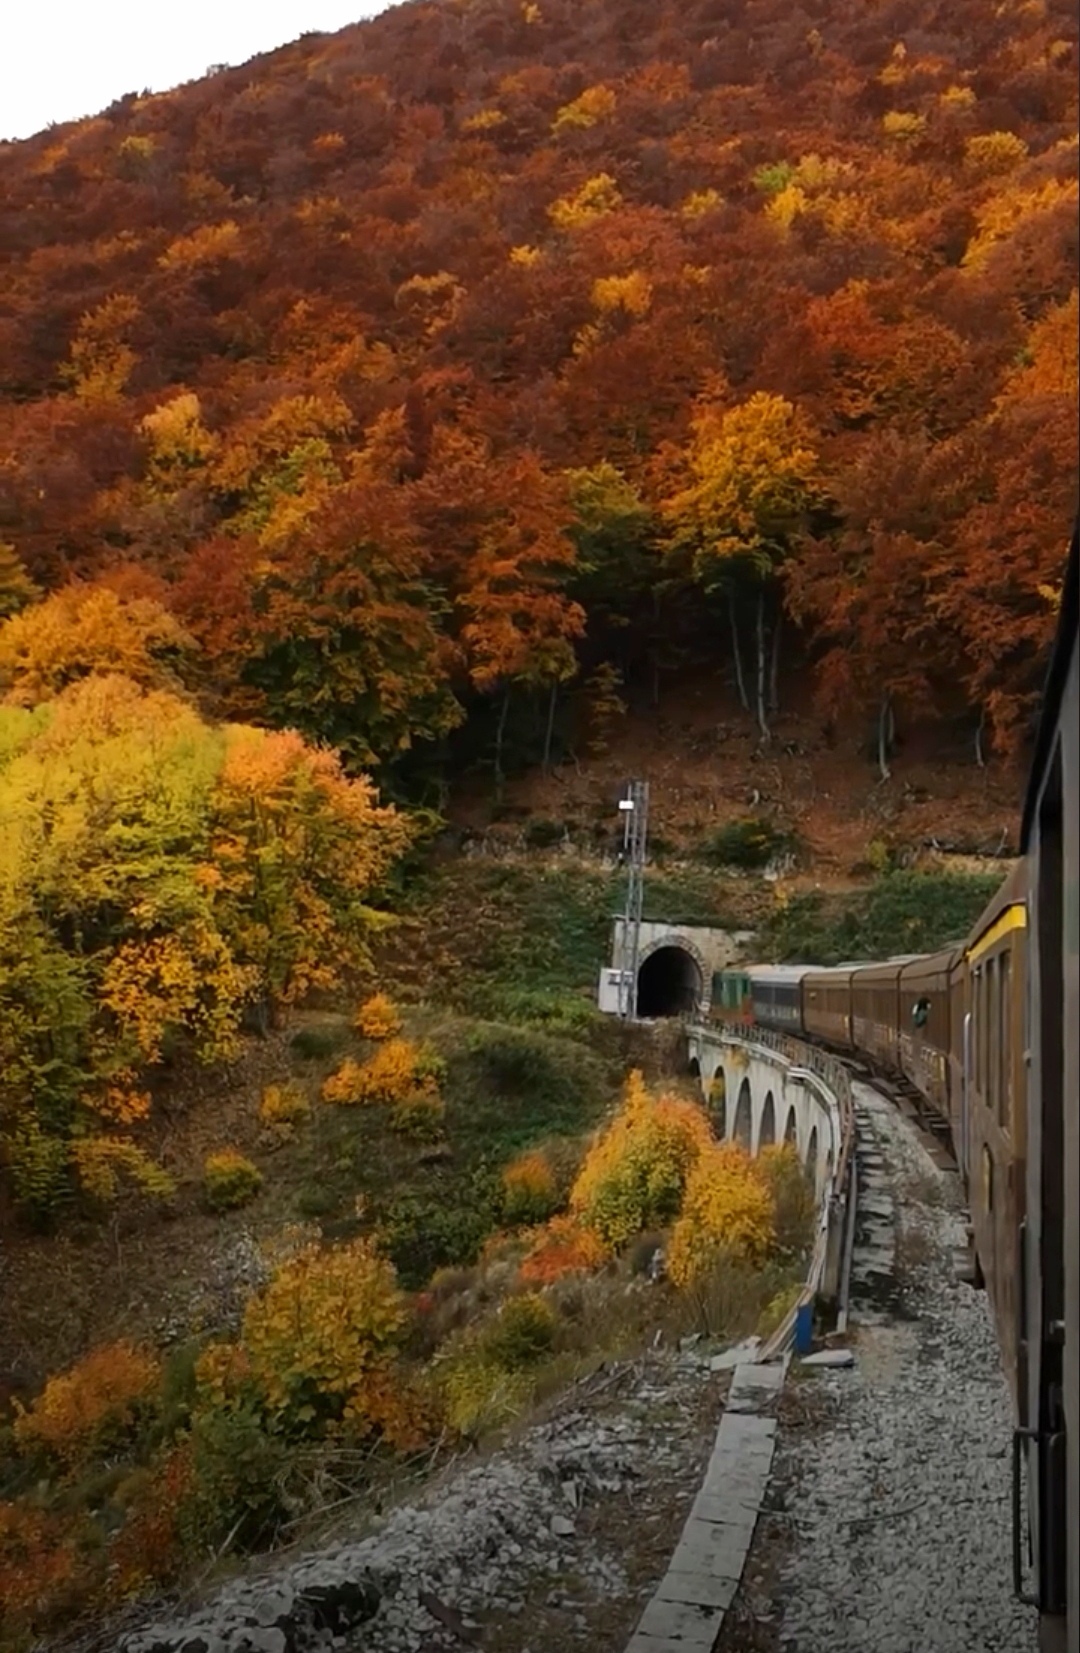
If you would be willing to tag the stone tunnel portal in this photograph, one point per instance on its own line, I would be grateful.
(669, 983)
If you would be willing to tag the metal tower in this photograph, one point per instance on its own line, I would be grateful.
(634, 809)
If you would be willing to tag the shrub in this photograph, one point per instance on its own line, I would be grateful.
(315, 1044)
(750, 842)
(529, 1192)
(347, 1086)
(229, 1180)
(150, 1548)
(99, 1399)
(419, 1114)
(378, 1017)
(395, 1071)
(540, 834)
(319, 1337)
(792, 1194)
(522, 1333)
(238, 1470)
(635, 1172)
(727, 1211)
(729, 1295)
(423, 1235)
(560, 1249)
(38, 1566)
(283, 1106)
(479, 1395)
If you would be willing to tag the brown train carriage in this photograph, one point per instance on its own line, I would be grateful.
(875, 1011)
(826, 1005)
(1049, 1442)
(991, 1128)
(925, 1014)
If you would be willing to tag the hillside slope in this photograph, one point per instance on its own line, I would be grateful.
(483, 348)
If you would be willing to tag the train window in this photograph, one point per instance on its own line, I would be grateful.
(1005, 1011)
(979, 1020)
(988, 1180)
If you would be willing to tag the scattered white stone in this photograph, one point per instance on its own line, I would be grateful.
(737, 1355)
(829, 1357)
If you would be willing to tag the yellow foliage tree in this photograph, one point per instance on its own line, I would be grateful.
(209, 244)
(184, 980)
(596, 197)
(727, 1210)
(101, 1162)
(755, 475)
(634, 1174)
(88, 628)
(630, 293)
(296, 847)
(322, 1338)
(1050, 366)
(101, 358)
(990, 153)
(999, 219)
(179, 441)
(902, 125)
(595, 104)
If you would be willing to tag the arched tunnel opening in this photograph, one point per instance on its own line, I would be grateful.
(669, 983)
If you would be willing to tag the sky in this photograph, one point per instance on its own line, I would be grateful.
(60, 59)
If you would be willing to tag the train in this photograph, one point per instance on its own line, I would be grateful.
(984, 1034)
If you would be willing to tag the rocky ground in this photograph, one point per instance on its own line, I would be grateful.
(890, 1525)
(887, 1524)
(555, 1542)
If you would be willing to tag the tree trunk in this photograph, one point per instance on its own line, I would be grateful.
(499, 733)
(762, 671)
(886, 729)
(774, 664)
(980, 756)
(549, 731)
(736, 654)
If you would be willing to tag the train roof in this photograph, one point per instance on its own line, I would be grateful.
(931, 964)
(1060, 661)
(886, 968)
(1012, 892)
(774, 974)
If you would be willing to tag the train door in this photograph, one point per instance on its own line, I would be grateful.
(1041, 1440)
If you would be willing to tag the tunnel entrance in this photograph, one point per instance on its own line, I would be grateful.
(669, 983)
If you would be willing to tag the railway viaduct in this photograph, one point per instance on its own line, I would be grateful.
(758, 1095)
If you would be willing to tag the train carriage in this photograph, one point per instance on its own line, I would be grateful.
(732, 1001)
(827, 1005)
(988, 1125)
(875, 1012)
(925, 1014)
(776, 996)
(1049, 1437)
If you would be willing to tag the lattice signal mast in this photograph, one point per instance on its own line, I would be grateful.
(634, 809)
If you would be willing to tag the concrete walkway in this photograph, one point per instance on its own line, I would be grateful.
(687, 1612)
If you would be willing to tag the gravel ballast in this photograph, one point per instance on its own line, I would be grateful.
(891, 1531)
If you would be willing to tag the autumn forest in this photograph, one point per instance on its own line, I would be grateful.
(411, 402)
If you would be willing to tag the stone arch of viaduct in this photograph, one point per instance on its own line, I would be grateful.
(757, 1096)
